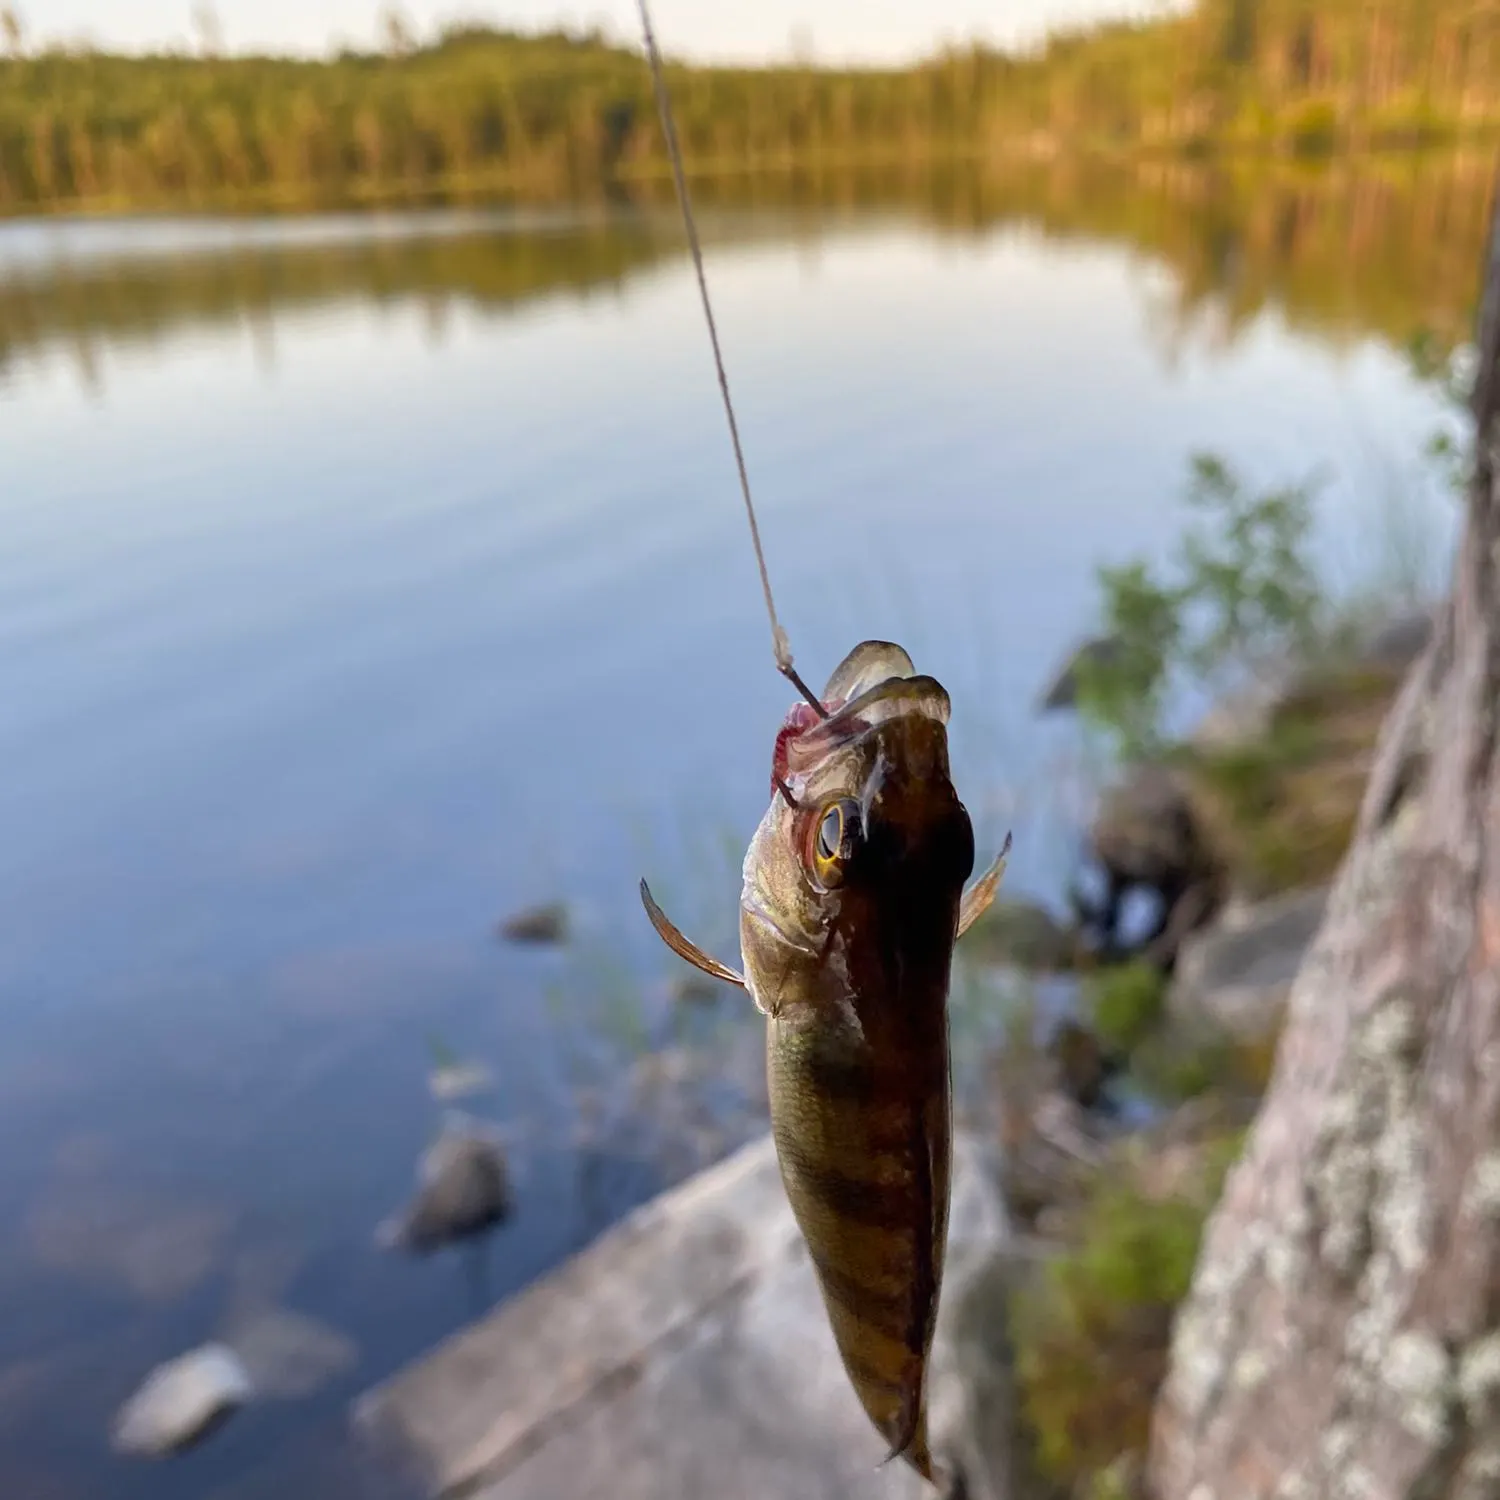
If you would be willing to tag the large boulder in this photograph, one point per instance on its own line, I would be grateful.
(1146, 836)
(1145, 831)
(1239, 971)
(687, 1353)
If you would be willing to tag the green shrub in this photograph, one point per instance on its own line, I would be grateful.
(1245, 591)
(1125, 1003)
(1092, 1329)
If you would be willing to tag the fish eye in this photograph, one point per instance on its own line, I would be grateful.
(837, 837)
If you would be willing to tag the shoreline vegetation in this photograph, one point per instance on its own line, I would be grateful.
(1236, 824)
(478, 113)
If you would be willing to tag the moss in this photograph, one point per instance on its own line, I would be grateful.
(1122, 1480)
(1188, 1062)
(1092, 1328)
(1125, 1003)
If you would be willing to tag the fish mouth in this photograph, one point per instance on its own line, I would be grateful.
(888, 750)
(894, 698)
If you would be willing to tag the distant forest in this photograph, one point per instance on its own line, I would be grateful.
(482, 113)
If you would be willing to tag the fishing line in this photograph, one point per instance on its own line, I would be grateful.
(781, 647)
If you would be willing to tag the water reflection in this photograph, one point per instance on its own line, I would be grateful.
(1381, 245)
(93, 1223)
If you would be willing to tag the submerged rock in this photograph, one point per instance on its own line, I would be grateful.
(547, 923)
(181, 1401)
(458, 1080)
(463, 1191)
(287, 1355)
(100, 1226)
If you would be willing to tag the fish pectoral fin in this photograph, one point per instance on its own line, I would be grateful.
(683, 946)
(976, 900)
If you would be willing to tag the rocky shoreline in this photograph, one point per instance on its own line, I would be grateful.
(670, 1346)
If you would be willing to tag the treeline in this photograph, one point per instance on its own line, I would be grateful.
(480, 113)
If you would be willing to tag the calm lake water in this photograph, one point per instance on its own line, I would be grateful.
(364, 581)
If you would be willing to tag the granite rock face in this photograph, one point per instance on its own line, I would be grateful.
(687, 1353)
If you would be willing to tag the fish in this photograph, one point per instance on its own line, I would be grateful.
(853, 897)
(855, 892)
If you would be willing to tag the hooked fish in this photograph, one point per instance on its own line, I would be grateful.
(852, 902)
(853, 899)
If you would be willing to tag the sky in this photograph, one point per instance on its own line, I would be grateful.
(706, 30)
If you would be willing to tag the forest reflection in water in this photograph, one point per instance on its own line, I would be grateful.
(1346, 248)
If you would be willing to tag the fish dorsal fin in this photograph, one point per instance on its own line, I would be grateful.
(683, 946)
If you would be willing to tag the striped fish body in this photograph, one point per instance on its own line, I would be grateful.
(849, 959)
(863, 1138)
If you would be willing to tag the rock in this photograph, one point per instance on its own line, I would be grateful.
(685, 1353)
(1173, 1156)
(182, 1401)
(1399, 641)
(1083, 1066)
(972, 1413)
(1280, 810)
(1022, 933)
(1052, 1153)
(458, 1080)
(1145, 832)
(464, 1191)
(1062, 690)
(1147, 836)
(537, 924)
(1238, 971)
(287, 1355)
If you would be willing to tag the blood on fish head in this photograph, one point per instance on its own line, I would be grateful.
(800, 718)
